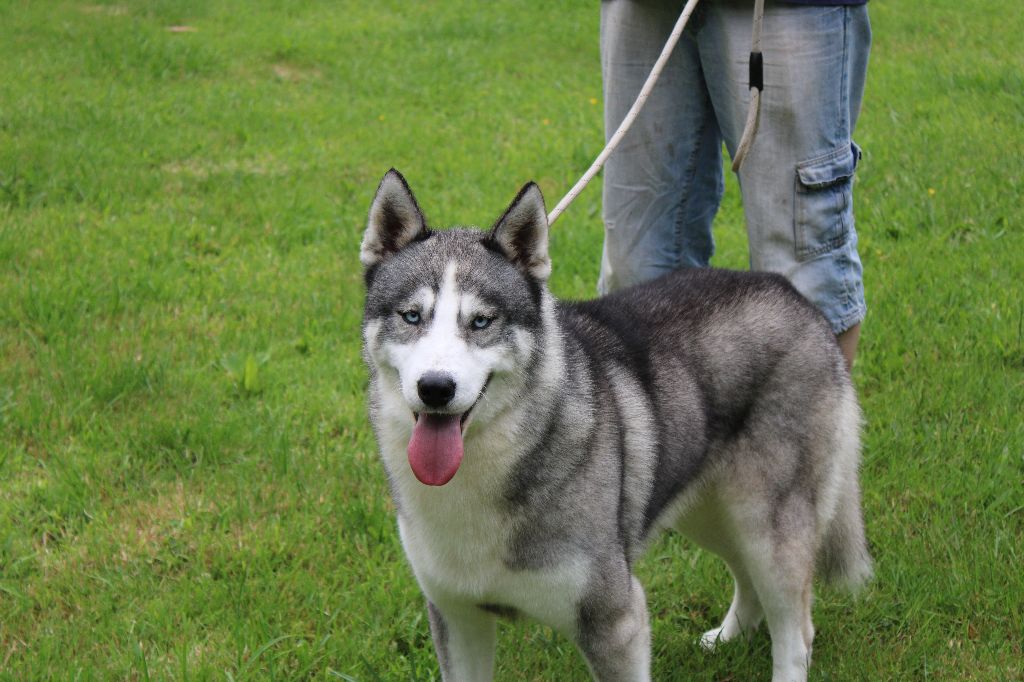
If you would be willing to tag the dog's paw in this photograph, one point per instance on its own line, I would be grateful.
(710, 640)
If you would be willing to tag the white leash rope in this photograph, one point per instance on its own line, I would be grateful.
(627, 122)
(749, 130)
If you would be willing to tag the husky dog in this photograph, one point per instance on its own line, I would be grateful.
(535, 447)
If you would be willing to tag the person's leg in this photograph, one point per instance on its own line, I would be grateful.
(848, 344)
(797, 179)
(663, 184)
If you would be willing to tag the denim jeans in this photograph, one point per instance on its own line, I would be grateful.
(662, 187)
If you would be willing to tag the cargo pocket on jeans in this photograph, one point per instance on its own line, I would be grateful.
(824, 192)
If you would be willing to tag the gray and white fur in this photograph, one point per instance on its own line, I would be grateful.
(713, 402)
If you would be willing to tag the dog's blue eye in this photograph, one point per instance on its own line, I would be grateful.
(411, 316)
(481, 322)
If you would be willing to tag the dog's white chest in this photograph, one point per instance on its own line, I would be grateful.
(460, 556)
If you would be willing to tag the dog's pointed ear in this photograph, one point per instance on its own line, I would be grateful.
(521, 233)
(395, 220)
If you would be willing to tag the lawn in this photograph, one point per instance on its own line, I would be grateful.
(188, 484)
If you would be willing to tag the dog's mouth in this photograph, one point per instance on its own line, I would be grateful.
(461, 417)
(435, 449)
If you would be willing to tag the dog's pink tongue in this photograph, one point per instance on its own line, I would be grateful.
(435, 449)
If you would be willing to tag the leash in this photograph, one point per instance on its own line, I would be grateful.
(753, 114)
(757, 85)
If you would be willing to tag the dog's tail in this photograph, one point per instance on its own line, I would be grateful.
(844, 559)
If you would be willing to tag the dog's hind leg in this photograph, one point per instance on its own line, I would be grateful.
(745, 612)
(707, 522)
(614, 634)
(464, 640)
(766, 536)
(780, 563)
(786, 599)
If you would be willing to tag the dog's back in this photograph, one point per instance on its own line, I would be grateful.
(741, 379)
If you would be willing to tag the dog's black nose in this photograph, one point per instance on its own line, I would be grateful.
(436, 389)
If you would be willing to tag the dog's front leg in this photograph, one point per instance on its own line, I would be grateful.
(464, 639)
(615, 636)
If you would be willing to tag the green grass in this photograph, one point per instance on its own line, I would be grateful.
(188, 484)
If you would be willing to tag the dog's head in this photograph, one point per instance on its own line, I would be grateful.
(452, 318)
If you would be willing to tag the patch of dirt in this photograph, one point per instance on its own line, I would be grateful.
(294, 73)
